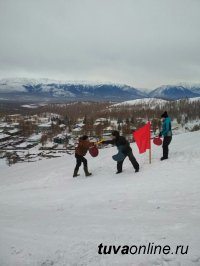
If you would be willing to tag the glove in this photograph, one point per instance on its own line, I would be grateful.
(100, 141)
(160, 134)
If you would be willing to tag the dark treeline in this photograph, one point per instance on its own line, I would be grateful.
(73, 111)
(180, 110)
(177, 110)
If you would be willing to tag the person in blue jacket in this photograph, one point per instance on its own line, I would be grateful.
(167, 134)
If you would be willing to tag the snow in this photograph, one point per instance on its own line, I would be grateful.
(102, 119)
(3, 125)
(150, 102)
(13, 131)
(16, 124)
(10, 85)
(146, 101)
(45, 125)
(49, 145)
(35, 81)
(49, 218)
(195, 99)
(31, 106)
(16, 84)
(3, 136)
(62, 126)
(23, 145)
(97, 123)
(80, 125)
(34, 138)
(78, 129)
(189, 85)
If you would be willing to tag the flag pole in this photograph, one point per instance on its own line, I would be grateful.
(150, 144)
(150, 154)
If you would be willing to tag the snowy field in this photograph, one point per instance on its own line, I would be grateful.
(49, 218)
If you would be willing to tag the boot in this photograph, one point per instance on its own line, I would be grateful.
(137, 169)
(118, 172)
(75, 173)
(163, 158)
(86, 171)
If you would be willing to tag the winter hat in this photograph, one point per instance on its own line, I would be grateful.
(164, 115)
(84, 137)
(115, 133)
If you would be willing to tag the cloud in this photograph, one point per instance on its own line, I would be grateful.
(144, 43)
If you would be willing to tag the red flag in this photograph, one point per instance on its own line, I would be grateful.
(142, 138)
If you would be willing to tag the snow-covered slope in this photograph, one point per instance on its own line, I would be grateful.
(195, 99)
(49, 218)
(150, 102)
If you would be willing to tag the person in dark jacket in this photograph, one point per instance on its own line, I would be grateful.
(120, 141)
(80, 151)
(167, 134)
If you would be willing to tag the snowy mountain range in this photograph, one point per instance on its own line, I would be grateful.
(44, 89)
(175, 92)
(23, 89)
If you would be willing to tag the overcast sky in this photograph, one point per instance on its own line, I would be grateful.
(143, 43)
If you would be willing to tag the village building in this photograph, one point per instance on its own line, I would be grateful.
(15, 118)
(43, 119)
(108, 130)
(60, 139)
(13, 132)
(15, 125)
(49, 146)
(6, 126)
(101, 121)
(25, 146)
(35, 139)
(76, 132)
(44, 127)
(62, 126)
(4, 137)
